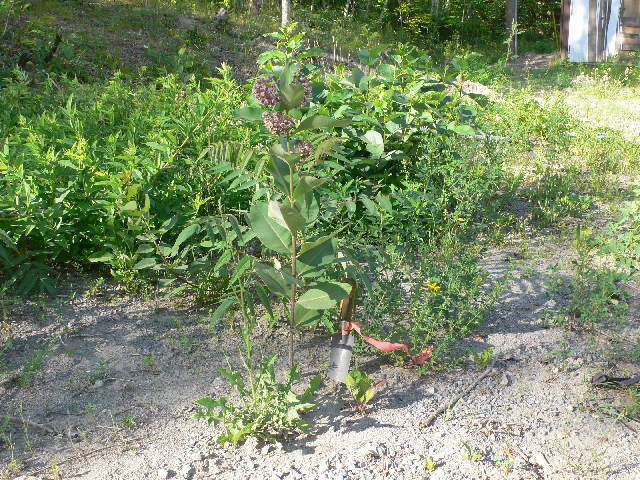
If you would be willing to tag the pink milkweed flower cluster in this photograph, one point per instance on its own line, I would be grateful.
(278, 123)
(306, 84)
(266, 92)
(305, 148)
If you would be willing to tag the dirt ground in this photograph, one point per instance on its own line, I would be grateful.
(120, 374)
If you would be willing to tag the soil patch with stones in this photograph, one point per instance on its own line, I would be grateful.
(121, 373)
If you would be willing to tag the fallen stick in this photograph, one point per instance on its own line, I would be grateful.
(488, 372)
(24, 421)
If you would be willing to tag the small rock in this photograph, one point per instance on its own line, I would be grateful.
(430, 390)
(266, 449)
(196, 456)
(163, 474)
(98, 384)
(187, 471)
(372, 449)
(575, 362)
(250, 445)
(505, 381)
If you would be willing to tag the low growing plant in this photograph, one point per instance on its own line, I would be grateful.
(362, 387)
(267, 409)
(483, 358)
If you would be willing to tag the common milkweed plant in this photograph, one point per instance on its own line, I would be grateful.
(298, 273)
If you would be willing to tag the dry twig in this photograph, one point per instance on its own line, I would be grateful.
(428, 421)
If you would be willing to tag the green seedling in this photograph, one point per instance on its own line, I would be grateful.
(483, 358)
(471, 454)
(362, 387)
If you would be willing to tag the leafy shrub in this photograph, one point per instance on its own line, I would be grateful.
(85, 177)
(595, 293)
(448, 297)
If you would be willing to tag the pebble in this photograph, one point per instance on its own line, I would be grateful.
(98, 384)
(505, 381)
(430, 390)
(265, 450)
(196, 456)
(372, 449)
(163, 474)
(187, 471)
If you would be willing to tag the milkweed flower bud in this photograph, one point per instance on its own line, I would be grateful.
(278, 123)
(266, 92)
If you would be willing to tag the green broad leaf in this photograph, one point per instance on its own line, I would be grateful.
(375, 143)
(145, 248)
(270, 55)
(264, 299)
(208, 402)
(292, 96)
(250, 114)
(461, 129)
(323, 295)
(145, 263)
(240, 268)
(158, 147)
(426, 117)
(322, 121)
(273, 279)
(278, 150)
(314, 385)
(369, 57)
(101, 257)
(385, 203)
(355, 78)
(185, 234)
(370, 206)
(368, 395)
(287, 75)
(281, 172)
(222, 310)
(305, 317)
(392, 127)
(286, 216)
(271, 234)
(387, 71)
(307, 184)
(309, 207)
(312, 52)
(8, 241)
(131, 206)
(316, 254)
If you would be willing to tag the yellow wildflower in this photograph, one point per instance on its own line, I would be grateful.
(433, 286)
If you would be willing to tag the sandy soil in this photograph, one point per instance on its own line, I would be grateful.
(123, 417)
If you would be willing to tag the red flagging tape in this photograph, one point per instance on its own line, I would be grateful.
(417, 359)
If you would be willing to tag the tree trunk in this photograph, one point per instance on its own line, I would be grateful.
(511, 19)
(256, 5)
(349, 6)
(564, 28)
(435, 7)
(286, 12)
